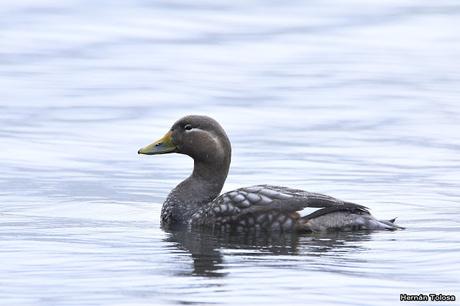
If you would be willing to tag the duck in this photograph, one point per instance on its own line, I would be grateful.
(197, 201)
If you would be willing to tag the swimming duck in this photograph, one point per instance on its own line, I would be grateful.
(197, 202)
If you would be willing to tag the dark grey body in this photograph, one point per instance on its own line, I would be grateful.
(274, 208)
(196, 201)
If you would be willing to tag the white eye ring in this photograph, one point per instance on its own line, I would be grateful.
(188, 127)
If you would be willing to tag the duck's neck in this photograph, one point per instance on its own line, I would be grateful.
(200, 188)
(209, 177)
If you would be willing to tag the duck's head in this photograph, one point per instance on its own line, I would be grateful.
(199, 137)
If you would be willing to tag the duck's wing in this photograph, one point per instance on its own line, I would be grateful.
(268, 197)
(267, 200)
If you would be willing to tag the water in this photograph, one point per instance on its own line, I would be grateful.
(357, 100)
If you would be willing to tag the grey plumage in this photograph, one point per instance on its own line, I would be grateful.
(196, 201)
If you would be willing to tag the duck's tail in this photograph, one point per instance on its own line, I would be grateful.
(390, 224)
(346, 221)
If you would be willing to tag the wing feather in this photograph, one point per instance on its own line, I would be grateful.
(263, 199)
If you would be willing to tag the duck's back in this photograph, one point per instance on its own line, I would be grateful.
(275, 208)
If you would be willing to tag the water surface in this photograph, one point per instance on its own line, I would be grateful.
(356, 100)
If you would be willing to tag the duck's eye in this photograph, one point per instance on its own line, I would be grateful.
(188, 127)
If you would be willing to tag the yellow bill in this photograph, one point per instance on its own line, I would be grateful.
(162, 146)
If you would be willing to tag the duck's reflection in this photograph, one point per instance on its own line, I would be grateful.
(206, 247)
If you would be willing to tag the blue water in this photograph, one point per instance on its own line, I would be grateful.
(353, 99)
